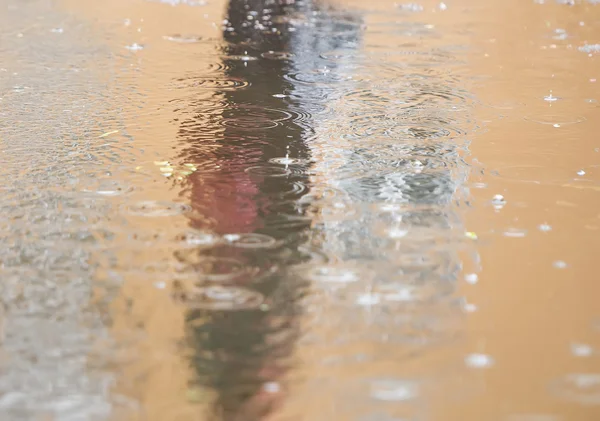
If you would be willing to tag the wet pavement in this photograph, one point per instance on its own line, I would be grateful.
(292, 210)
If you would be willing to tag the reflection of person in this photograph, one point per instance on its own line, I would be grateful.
(241, 355)
(254, 126)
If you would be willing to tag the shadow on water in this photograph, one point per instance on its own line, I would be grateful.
(247, 139)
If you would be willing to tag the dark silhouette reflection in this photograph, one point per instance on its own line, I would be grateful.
(240, 136)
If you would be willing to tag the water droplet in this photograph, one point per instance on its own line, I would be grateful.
(195, 238)
(229, 298)
(183, 39)
(215, 83)
(394, 390)
(271, 387)
(250, 241)
(582, 350)
(396, 233)
(368, 300)
(471, 235)
(134, 47)
(559, 264)
(288, 161)
(332, 274)
(276, 55)
(581, 172)
(560, 34)
(515, 233)
(248, 117)
(268, 171)
(479, 361)
(471, 278)
(108, 188)
(590, 48)
(498, 201)
(410, 7)
(581, 388)
(544, 227)
(240, 58)
(469, 307)
(550, 98)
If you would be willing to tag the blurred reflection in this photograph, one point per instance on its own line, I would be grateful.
(247, 137)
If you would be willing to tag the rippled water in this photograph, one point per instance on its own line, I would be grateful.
(328, 210)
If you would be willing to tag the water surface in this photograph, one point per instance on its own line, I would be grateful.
(249, 210)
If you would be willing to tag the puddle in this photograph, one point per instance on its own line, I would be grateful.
(250, 210)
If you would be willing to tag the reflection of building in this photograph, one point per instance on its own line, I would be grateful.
(386, 183)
